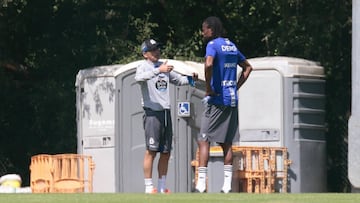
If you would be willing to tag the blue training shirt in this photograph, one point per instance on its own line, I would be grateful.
(224, 73)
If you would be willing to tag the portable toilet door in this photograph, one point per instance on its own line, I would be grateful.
(130, 145)
(282, 104)
(130, 141)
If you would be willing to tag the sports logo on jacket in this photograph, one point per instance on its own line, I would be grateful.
(161, 84)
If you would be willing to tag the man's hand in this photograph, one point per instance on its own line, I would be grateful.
(195, 76)
(164, 68)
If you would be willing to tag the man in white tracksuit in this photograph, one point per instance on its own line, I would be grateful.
(154, 78)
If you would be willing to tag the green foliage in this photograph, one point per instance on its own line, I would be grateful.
(43, 44)
(144, 30)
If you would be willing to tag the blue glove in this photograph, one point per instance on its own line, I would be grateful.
(191, 81)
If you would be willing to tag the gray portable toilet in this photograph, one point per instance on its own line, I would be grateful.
(109, 127)
(95, 116)
(283, 105)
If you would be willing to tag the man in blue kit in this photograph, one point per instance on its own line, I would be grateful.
(154, 78)
(220, 119)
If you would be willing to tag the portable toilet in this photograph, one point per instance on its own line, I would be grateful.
(283, 105)
(95, 116)
(110, 127)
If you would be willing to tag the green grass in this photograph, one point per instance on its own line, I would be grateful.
(182, 198)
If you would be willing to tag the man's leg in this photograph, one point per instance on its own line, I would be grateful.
(148, 165)
(204, 147)
(162, 170)
(228, 168)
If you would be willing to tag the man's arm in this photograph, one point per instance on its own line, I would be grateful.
(142, 75)
(208, 66)
(247, 68)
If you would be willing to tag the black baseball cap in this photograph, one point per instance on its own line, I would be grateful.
(149, 45)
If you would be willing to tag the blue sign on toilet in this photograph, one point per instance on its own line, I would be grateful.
(184, 109)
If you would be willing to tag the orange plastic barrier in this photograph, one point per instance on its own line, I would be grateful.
(41, 179)
(257, 169)
(61, 173)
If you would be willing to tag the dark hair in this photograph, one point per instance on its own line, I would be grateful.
(215, 24)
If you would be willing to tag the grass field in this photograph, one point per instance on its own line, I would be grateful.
(182, 198)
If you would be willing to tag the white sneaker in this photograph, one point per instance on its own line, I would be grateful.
(152, 191)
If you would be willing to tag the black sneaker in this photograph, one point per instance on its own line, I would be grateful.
(222, 191)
